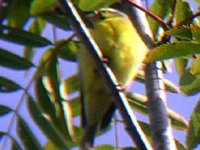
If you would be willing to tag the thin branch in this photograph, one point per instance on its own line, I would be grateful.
(108, 77)
(158, 19)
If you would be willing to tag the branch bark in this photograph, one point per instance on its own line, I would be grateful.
(160, 127)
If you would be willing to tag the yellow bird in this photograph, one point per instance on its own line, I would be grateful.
(122, 46)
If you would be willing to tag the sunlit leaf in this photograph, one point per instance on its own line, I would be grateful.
(75, 106)
(26, 136)
(189, 84)
(4, 110)
(42, 6)
(7, 85)
(195, 32)
(173, 50)
(22, 37)
(104, 147)
(162, 9)
(50, 146)
(90, 5)
(13, 61)
(67, 49)
(43, 100)
(47, 128)
(195, 66)
(180, 64)
(51, 82)
(70, 85)
(193, 134)
(182, 11)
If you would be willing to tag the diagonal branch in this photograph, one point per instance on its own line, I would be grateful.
(108, 77)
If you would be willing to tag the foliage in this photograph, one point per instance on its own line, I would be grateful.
(51, 106)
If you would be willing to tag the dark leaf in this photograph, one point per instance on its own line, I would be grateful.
(4, 110)
(7, 85)
(18, 13)
(43, 100)
(13, 61)
(59, 20)
(22, 37)
(47, 128)
(27, 138)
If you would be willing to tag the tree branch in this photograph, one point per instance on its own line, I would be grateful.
(108, 77)
(160, 126)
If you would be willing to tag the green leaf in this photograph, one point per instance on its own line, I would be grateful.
(36, 27)
(43, 100)
(13, 61)
(4, 110)
(52, 82)
(59, 20)
(67, 49)
(189, 84)
(75, 106)
(47, 128)
(50, 146)
(193, 134)
(104, 147)
(27, 138)
(182, 11)
(195, 32)
(162, 9)
(19, 13)
(90, 5)
(180, 65)
(179, 146)
(42, 6)
(173, 50)
(182, 32)
(129, 148)
(195, 66)
(22, 37)
(70, 85)
(7, 85)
